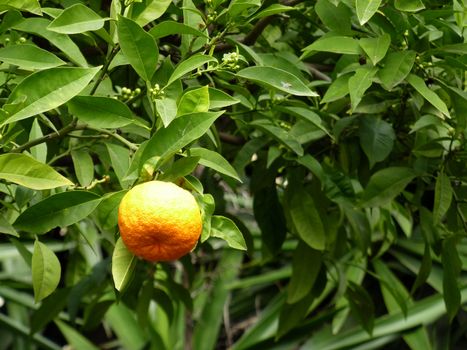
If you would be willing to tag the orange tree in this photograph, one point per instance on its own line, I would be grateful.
(324, 143)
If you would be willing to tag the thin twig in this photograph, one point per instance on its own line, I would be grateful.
(116, 136)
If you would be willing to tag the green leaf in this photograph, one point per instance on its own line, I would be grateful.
(419, 85)
(77, 19)
(276, 78)
(386, 184)
(39, 152)
(29, 57)
(306, 114)
(338, 89)
(84, 167)
(49, 309)
(28, 172)
(6, 227)
(359, 83)
(107, 210)
(451, 272)
(306, 218)
(38, 26)
(219, 99)
(376, 138)
(182, 167)
(31, 6)
(139, 47)
(167, 110)
(443, 197)
(279, 134)
(224, 228)
(188, 65)
(366, 9)
(59, 210)
(214, 161)
(194, 101)
(335, 17)
(207, 205)
(74, 338)
(46, 271)
(238, 6)
(397, 65)
(120, 160)
(167, 28)
(271, 10)
(101, 112)
(361, 305)
(376, 48)
(182, 131)
(306, 265)
(48, 89)
(409, 5)
(425, 269)
(146, 11)
(335, 44)
(123, 265)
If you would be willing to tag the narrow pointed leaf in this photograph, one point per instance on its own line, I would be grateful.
(224, 228)
(214, 161)
(366, 9)
(443, 197)
(46, 271)
(419, 85)
(397, 65)
(123, 265)
(77, 19)
(29, 57)
(189, 65)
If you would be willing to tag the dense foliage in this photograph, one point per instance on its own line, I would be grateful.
(324, 141)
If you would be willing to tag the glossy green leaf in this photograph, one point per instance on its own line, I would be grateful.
(59, 210)
(334, 16)
(182, 167)
(397, 65)
(207, 206)
(443, 197)
(279, 134)
(28, 172)
(77, 19)
(123, 265)
(359, 83)
(194, 101)
(74, 338)
(146, 11)
(84, 167)
(306, 265)
(376, 138)
(29, 57)
(451, 271)
(101, 112)
(376, 48)
(271, 10)
(107, 210)
(139, 47)
(46, 271)
(49, 309)
(189, 65)
(338, 89)
(306, 219)
(32, 6)
(6, 227)
(238, 6)
(167, 141)
(276, 78)
(386, 184)
(120, 160)
(214, 161)
(48, 89)
(335, 44)
(419, 85)
(167, 28)
(167, 110)
(409, 5)
(424, 270)
(224, 228)
(366, 9)
(39, 152)
(220, 99)
(38, 26)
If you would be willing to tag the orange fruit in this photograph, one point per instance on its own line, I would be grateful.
(159, 221)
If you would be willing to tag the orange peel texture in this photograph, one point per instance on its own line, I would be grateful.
(159, 221)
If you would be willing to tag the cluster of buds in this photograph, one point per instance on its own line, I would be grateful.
(20, 40)
(156, 92)
(128, 94)
(230, 60)
(212, 16)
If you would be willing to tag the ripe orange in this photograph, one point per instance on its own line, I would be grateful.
(159, 221)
